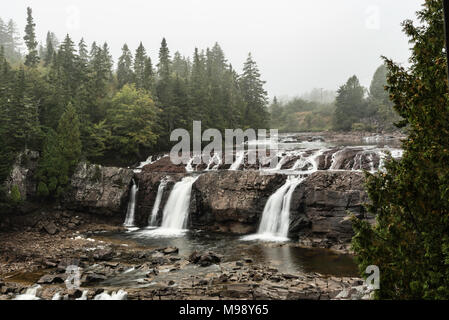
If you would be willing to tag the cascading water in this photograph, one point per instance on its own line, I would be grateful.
(157, 203)
(276, 214)
(238, 161)
(129, 220)
(176, 210)
(177, 207)
(30, 294)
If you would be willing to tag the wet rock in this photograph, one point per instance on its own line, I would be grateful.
(90, 277)
(205, 259)
(52, 278)
(66, 262)
(98, 189)
(22, 175)
(320, 204)
(103, 254)
(231, 201)
(51, 228)
(164, 165)
(149, 182)
(170, 250)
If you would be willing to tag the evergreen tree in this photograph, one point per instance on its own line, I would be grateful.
(255, 96)
(69, 136)
(50, 50)
(124, 69)
(350, 105)
(139, 66)
(163, 87)
(32, 58)
(410, 240)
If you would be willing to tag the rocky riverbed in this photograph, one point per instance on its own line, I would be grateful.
(38, 257)
(209, 259)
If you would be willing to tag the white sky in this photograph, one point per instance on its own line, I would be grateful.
(298, 44)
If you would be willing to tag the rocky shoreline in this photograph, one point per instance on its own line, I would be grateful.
(37, 257)
(40, 240)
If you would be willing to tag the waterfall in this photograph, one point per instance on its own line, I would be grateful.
(30, 294)
(238, 161)
(177, 208)
(276, 214)
(129, 220)
(157, 203)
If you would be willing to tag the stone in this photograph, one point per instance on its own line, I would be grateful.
(98, 189)
(52, 278)
(50, 228)
(231, 201)
(103, 254)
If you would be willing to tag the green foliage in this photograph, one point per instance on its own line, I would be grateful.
(131, 118)
(410, 241)
(69, 105)
(350, 104)
(300, 115)
(32, 58)
(69, 136)
(15, 195)
(42, 190)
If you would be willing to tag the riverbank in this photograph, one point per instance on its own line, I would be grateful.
(34, 257)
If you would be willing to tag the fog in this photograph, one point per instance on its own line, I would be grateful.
(298, 45)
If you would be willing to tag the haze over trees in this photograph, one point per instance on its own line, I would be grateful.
(67, 101)
(351, 108)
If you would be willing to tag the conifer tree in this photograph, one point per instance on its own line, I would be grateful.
(32, 58)
(410, 240)
(124, 68)
(139, 66)
(255, 96)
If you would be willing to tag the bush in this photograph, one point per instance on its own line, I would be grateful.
(42, 190)
(15, 195)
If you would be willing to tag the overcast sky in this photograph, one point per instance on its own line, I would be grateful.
(298, 44)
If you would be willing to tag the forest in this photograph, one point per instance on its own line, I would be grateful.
(351, 108)
(68, 102)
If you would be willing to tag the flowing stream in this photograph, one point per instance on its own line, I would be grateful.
(276, 214)
(129, 220)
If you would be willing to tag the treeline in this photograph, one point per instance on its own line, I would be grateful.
(355, 108)
(69, 103)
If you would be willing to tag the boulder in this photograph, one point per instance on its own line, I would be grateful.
(97, 189)
(165, 165)
(204, 259)
(231, 201)
(320, 206)
(22, 174)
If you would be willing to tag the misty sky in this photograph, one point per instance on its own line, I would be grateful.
(298, 44)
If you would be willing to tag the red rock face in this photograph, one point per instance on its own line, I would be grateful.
(164, 165)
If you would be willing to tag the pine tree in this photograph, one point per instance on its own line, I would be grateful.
(125, 73)
(255, 96)
(163, 87)
(350, 105)
(139, 66)
(32, 58)
(69, 136)
(50, 50)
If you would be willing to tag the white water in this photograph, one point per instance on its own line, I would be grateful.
(119, 295)
(157, 203)
(129, 220)
(30, 294)
(276, 214)
(238, 161)
(176, 210)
